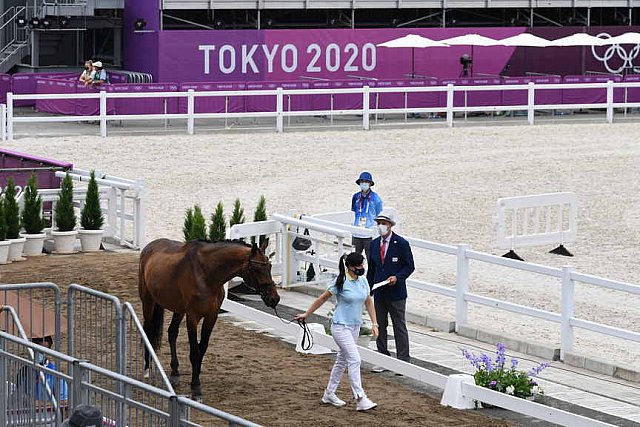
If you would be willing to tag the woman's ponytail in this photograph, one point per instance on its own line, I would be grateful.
(342, 273)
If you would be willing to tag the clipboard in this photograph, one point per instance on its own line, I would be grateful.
(379, 285)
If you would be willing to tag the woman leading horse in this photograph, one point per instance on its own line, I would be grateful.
(187, 279)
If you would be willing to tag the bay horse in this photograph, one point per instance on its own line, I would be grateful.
(187, 279)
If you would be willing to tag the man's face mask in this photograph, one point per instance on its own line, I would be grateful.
(364, 186)
(383, 229)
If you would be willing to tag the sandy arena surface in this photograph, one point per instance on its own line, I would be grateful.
(444, 182)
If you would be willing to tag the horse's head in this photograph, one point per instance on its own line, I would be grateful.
(258, 275)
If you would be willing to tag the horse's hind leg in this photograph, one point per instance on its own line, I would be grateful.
(174, 328)
(194, 356)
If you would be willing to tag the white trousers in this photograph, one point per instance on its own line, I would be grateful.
(348, 358)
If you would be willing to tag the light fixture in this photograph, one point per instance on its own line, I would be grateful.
(218, 24)
(140, 24)
(46, 23)
(35, 22)
(63, 21)
(21, 21)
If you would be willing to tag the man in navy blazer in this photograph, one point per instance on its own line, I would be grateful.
(390, 258)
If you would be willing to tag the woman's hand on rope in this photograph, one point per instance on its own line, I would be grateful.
(301, 317)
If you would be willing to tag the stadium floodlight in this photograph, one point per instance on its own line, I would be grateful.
(21, 21)
(140, 24)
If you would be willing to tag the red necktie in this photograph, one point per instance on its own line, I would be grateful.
(383, 250)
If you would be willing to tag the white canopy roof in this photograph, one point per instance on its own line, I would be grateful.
(579, 39)
(525, 39)
(470, 40)
(412, 40)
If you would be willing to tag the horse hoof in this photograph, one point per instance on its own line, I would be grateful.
(174, 380)
(146, 374)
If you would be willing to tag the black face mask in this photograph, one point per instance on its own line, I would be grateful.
(359, 271)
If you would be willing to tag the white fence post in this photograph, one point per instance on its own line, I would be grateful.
(365, 108)
(609, 101)
(531, 101)
(10, 116)
(462, 285)
(450, 93)
(566, 311)
(103, 114)
(190, 111)
(3, 121)
(279, 109)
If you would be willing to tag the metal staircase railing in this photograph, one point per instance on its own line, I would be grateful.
(14, 41)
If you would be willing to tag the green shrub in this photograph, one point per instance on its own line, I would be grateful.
(91, 215)
(260, 215)
(11, 210)
(194, 225)
(65, 214)
(3, 222)
(237, 217)
(32, 210)
(218, 226)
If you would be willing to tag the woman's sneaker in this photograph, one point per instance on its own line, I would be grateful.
(364, 404)
(332, 399)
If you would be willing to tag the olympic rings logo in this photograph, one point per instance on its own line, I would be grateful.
(627, 58)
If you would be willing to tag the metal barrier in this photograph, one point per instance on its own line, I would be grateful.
(36, 304)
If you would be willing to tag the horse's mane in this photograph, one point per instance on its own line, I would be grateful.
(226, 242)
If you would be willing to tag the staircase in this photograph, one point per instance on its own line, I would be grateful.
(78, 7)
(14, 43)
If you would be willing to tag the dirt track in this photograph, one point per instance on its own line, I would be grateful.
(248, 374)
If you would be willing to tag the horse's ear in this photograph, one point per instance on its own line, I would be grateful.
(264, 244)
(272, 254)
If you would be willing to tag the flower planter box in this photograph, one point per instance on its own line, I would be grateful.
(15, 250)
(33, 244)
(64, 241)
(4, 251)
(90, 240)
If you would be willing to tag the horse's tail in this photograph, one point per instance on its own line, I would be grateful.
(153, 326)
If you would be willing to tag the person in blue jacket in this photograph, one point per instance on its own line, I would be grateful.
(366, 205)
(390, 259)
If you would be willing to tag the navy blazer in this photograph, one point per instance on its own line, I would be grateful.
(398, 261)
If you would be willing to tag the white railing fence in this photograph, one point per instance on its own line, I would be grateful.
(335, 236)
(280, 112)
(120, 200)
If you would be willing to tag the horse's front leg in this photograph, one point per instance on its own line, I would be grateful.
(205, 335)
(174, 329)
(194, 356)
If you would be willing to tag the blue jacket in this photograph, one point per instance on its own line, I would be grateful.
(398, 261)
(367, 207)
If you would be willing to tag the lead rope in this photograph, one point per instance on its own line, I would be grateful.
(307, 337)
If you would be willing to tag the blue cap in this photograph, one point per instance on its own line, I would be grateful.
(365, 176)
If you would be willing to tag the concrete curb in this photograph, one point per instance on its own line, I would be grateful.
(534, 349)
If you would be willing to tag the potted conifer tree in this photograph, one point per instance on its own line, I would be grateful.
(64, 236)
(218, 226)
(4, 243)
(195, 226)
(91, 219)
(32, 219)
(12, 218)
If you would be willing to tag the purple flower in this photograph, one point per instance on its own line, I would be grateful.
(514, 363)
(492, 384)
(486, 360)
(533, 383)
(535, 371)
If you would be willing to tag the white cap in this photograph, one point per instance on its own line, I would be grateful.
(98, 64)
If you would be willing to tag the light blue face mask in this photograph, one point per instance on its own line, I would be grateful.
(40, 358)
(364, 186)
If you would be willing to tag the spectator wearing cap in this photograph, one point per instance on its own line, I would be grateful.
(390, 259)
(84, 416)
(101, 76)
(366, 204)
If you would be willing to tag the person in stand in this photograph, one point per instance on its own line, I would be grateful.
(390, 260)
(84, 416)
(101, 76)
(352, 291)
(366, 205)
(87, 75)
